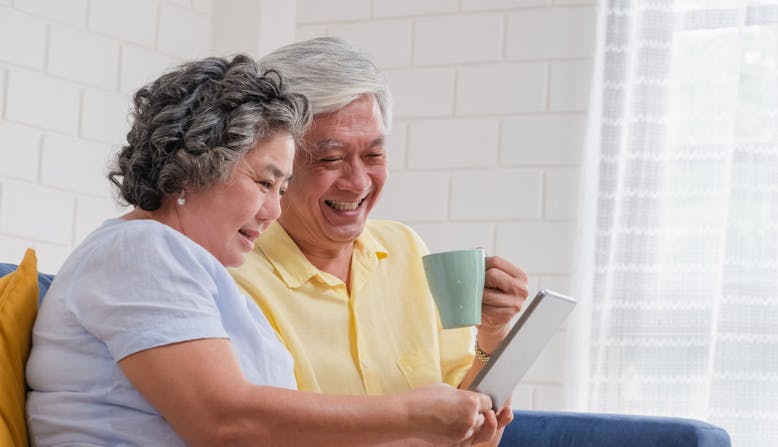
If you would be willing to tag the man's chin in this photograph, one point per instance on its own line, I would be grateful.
(345, 234)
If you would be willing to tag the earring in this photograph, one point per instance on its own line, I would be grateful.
(181, 200)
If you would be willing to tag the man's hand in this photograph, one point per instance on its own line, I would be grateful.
(505, 290)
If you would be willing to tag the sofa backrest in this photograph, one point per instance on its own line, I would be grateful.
(44, 279)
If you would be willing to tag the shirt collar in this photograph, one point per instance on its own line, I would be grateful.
(295, 269)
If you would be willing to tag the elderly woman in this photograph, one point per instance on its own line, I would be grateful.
(144, 339)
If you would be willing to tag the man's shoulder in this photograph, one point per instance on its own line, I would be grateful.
(392, 234)
(385, 229)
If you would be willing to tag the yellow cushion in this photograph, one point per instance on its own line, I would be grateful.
(18, 307)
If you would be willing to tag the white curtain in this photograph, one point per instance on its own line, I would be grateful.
(684, 281)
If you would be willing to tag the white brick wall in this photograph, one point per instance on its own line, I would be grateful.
(479, 5)
(65, 90)
(75, 164)
(28, 36)
(140, 65)
(453, 143)
(39, 100)
(458, 38)
(491, 99)
(20, 151)
(569, 85)
(36, 212)
(496, 195)
(184, 32)
(105, 116)
(410, 8)
(490, 106)
(397, 143)
(501, 89)
(83, 56)
(134, 21)
(72, 12)
(542, 139)
(311, 11)
(422, 91)
(563, 32)
(403, 199)
(394, 52)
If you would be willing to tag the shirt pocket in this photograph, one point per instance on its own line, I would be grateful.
(420, 368)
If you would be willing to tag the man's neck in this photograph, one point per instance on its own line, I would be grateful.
(334, 259)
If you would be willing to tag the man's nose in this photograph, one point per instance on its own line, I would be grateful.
(356, 178)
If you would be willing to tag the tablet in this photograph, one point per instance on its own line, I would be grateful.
(513, 358)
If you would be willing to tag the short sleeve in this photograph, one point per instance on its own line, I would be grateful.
(456, 345)
(141, 289)
(456, 354)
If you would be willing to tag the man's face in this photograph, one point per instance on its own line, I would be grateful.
(337, 185)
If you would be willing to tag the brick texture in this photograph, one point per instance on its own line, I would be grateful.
(491, 102)
(65, 89)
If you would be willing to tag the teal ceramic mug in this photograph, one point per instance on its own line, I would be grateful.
(456, 281)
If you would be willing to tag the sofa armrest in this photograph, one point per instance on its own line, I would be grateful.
(562, 429)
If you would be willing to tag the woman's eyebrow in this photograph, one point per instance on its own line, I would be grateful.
(276, 172)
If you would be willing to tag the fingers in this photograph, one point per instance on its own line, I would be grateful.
(498, 263)
(484, 402)
(505, 290)
(512, 280)
(488, 428)
(479, 422)
(504, 417)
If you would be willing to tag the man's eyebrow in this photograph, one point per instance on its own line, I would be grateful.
(380, 141)
(328, 143)
(331, 143)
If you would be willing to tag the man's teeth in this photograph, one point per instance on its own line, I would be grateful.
(343, 206)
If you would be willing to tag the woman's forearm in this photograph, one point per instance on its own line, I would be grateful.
(197, 386)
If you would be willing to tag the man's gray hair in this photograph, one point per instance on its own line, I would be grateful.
(331, 73)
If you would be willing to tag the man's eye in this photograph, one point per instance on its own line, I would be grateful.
(265, 184)
(329, 159)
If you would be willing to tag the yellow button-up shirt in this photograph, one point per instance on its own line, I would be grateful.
(382, 337)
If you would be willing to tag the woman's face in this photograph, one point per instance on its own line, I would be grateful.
(226, 218)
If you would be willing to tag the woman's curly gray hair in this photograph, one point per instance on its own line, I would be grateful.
(195, 122)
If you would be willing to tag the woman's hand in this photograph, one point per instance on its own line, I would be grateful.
(445, 415)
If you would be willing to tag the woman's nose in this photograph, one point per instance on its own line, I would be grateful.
(271, 208)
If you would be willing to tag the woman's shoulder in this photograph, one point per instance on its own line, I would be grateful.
(140, 235)
(124, 243)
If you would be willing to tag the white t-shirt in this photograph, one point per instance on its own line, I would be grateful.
(131, 286)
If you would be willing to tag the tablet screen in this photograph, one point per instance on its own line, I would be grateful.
(513, 358)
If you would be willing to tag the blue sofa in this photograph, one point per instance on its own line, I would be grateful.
(562, 429)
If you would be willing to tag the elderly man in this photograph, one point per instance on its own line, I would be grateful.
(346, 294)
